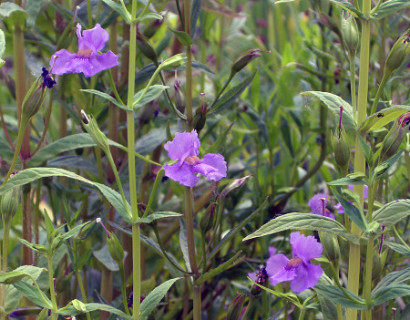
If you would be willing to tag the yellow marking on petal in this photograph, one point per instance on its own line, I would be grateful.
(192, 160)
(84, 53)
(293, 263)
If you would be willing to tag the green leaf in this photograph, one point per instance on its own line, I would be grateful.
(33, 8)
(388, 8)
(174, 62)
(19, 274)
(347, 6)
(399, 248)
(389, 293)
(30, 175)
(393, 278)
(352, 211)
(333, 103)
(347, 299)
(75, 307)
(74, 231)
(229, 96)
(149, 16)
(302, 221)
(152, 93)
(2, 47)
(158, 215)
(119, 9)
(36, 247)
(13, 14)
(106, 97)
(383, 168)
(34, 294)
(328, 306)
(347, 181)
(392, 212)
(154, 297)
(103, 255)
(182, 37)
(383, 117)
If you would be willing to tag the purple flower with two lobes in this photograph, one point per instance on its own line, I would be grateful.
(318, 205)
(298, 270)
(88, 59)
(185, 149)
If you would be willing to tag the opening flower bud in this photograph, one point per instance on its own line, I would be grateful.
(200, 115)
(96, 134)
(243, 61)
(394, 137)
(115, 249)
(9, 203)
(398, 53)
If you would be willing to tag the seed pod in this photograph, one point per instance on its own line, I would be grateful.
(96, 134)
(115, 249)
(350, 34)
(146, 48)
(398, 53)
(9, 203)
(330, 247)
(341, 148)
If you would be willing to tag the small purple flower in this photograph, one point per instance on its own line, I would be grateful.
(88, 58)
(48, 80)
(185, 149)
(318, 205)
(298, 270)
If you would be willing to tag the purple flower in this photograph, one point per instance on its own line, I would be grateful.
(298, 270)
(88, 59)
(48, 80)
(339, 206)
(318, 205)
(184, 148)
(252, 275)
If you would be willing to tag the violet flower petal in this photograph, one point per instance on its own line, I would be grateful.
(93, 39)
(182, 174)
(64, 64)
(300, 282)
(276, 263)
(252, 275)
(272, 251)
(305, 247)
(212, 166)
(316, 203)
(184, 145)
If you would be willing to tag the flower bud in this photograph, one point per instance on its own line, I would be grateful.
(398, 53)
(236, 184)
(115, 249)
(350, 34)
(394, 137)
(377, 266)
(243, 61)
(330, 247)
(150, 30)
(235, 309)
(33, 99)
(9, 203)
(261, 279)
(200, 118)
(96, 134)
(146, 48)
(208, 219)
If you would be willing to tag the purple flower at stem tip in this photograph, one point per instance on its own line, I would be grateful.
(88, 59)
(185, 149)
(48, 80)
(318, 205)
(298, 270)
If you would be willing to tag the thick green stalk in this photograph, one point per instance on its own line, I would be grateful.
(136, 244)
(123, 291)
(359, 161)
(82, 290)
(54, 316)
(353, 82)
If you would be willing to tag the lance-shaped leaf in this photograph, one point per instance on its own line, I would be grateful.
(383, 117)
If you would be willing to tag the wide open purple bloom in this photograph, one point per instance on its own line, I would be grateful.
(87, 60)
(185, 149)
(298, 270)
(318, 205)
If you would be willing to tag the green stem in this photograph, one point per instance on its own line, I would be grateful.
(117, 177)
(6, 231)
(89, 14)
(379, 92)
(189, 221)
(302, 314)
(123, 291)
(222, 90)
(114, 88)
(157, 181)
(400, 238)
(188, 74)
(367, 288)
(353, 82)
(82, 290)
(359, 161)
(54, 316)
(20, 138)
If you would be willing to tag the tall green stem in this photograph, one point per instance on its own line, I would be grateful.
(188, 75)
(359, 162)
(136, 244)
(189, 221)
(51, 283)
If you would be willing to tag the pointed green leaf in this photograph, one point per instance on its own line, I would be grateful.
(107, 97)
(154, 297)
(392, 212)
(182, 37)
(153, 93)
(34, 294)
(346, 299)
(75, 307)
(390, 293)
(382, 118)
(302, 221)
(388, 8)
(158, 215)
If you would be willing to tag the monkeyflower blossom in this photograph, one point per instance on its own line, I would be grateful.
(298, 270)
(318, 205)
(185, 149)
(88, 59)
